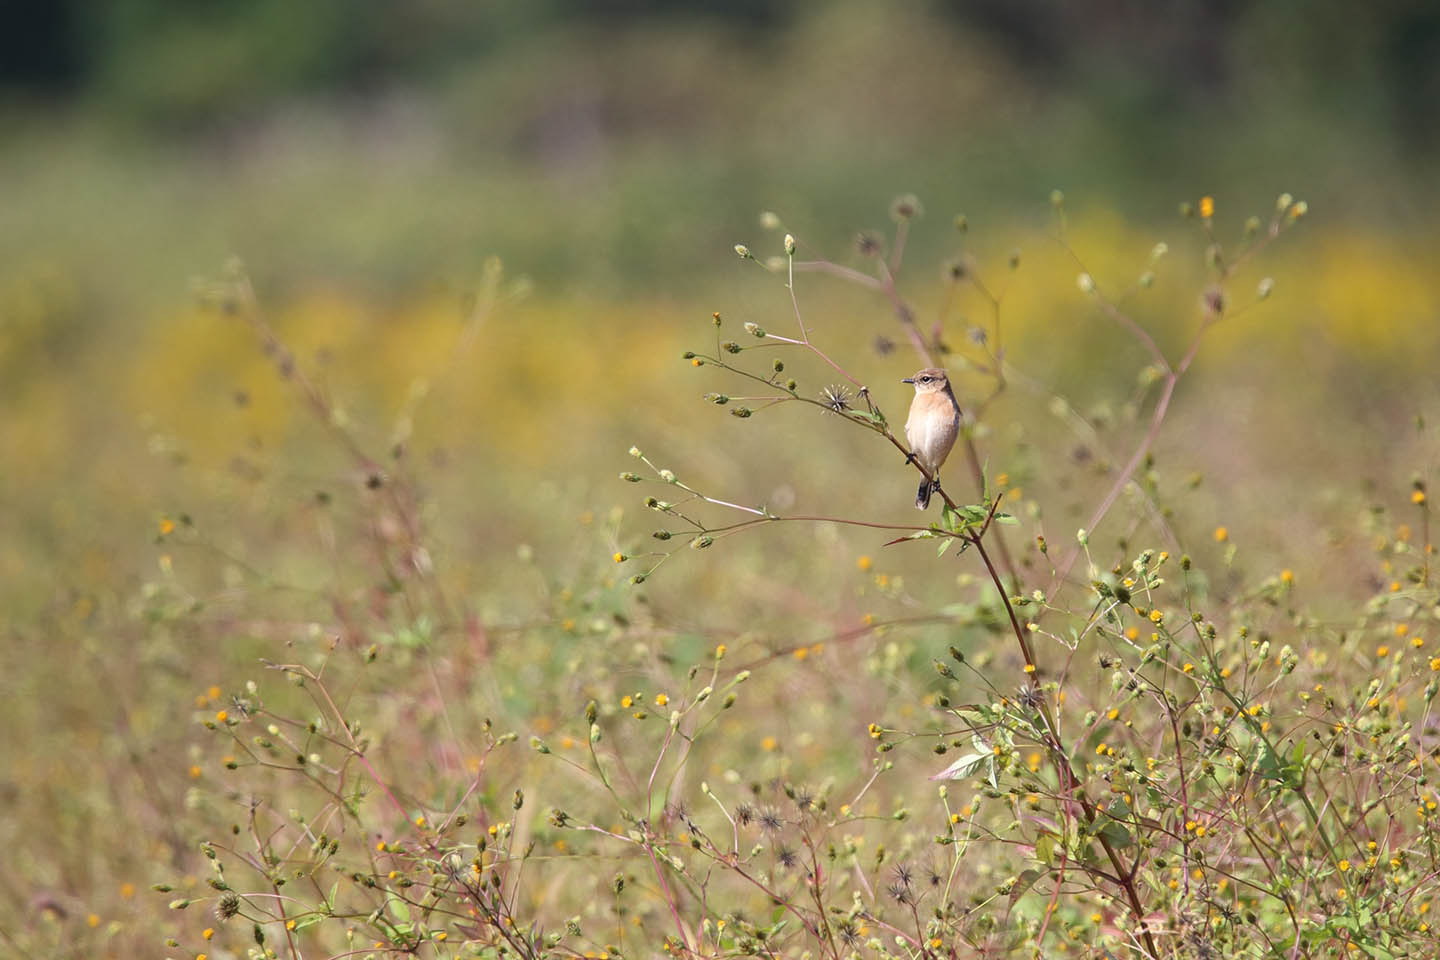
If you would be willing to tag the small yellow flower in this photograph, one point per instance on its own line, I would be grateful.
(419, 821)
(93, 920)
(1029, 668)
(875, 731)
(1200, 830)
(1112, 714)
(696, 362)
(967, 810)
(1156, 616)
(1344, 865)
(1096, 918)
(1188, 668)
(195, 772)
(127, 890)
(720, 651)
(207, 933)
(289, 925)
(619, 557)
(626, 701)
(800, 653)
(1435, 663)
(213, 693)
(1287, 575)
(661, 699)
(1221, 534)
(864, 563)
(769, 744)
(1100, 750)
(1132, 633)
(167, 526)
(1418, 496)
(1207, 207)
(222, 716)
(1417, 642)
(1382, 651)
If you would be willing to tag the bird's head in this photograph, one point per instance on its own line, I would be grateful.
(929, 380)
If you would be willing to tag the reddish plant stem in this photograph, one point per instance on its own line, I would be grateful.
(1070, 782)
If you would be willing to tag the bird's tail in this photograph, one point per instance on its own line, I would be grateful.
(922, 496)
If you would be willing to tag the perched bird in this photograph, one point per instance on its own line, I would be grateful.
(931, 429)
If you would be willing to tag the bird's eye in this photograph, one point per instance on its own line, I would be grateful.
(924, 379)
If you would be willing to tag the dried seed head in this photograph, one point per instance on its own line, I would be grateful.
(836, 397)
(905, 207)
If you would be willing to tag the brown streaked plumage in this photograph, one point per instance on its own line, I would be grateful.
(932, 427)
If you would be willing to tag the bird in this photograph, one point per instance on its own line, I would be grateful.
(931, 428)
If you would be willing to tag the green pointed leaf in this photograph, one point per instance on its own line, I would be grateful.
(1024, 882)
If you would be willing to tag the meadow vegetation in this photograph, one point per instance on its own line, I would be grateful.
(742, 711)
(371, 597)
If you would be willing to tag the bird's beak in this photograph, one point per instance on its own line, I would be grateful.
(908, 380)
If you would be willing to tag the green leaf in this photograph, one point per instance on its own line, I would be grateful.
(974, 513)
(1116, 833)
(964, 767)
(1024, 882)
(1007, 519)
(1045, 849)
(1269, 766)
